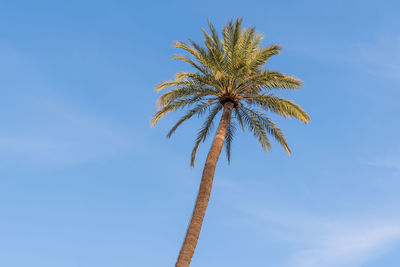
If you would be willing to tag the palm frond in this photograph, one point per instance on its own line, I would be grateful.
(259, 57)
(209, 80)
(192, 51)
(204, 131)
(228, 140)
(284, 107)
(215, 52)
(164, 85)
(256, 126)
(270, 127)
(199, 110)
(174, 106)
(195, 65)
(182, 92)
(238, 117)
(277, 80)
(268, 80)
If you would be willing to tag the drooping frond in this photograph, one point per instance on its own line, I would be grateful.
(199, 110)
(204, 131)
(256, 126)
(261, 124)
(164, 85)
(228, 140)
(284, 107)
(238, 117)
(174, 106)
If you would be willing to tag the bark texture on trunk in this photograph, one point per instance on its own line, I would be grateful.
(193, 231)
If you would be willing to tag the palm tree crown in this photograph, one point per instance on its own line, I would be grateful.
(228, 76)
(230, 70)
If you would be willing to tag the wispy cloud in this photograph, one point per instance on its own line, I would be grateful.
(347, 244)
(389, 162)
(315, 239)
(58, 134)
(393, 163)
(379, 58)
(318, 241)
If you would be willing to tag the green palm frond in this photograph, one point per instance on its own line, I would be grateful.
(260, 57)
(204, 131)
(277, 80)
(198, 55)
(268, 80)
(214, 47)
(199, 110)
(174, 106)
(195, 65)
(228, 140)
(268, 126)
(183, 92)
(238, 117)
(164, 85)
(200, 80)
(255, 125)
(284, 107)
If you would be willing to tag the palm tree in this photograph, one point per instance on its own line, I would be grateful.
(228, 76)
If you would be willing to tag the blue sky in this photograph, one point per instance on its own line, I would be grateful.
(85, 181)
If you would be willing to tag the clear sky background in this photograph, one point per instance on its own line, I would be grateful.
(86, 182)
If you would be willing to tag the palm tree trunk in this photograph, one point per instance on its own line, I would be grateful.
(193, 231)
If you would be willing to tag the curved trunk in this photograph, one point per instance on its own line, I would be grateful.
(193, 231)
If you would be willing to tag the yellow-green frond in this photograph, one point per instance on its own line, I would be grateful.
(164, 85)
(204, 131)
(284, 107)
